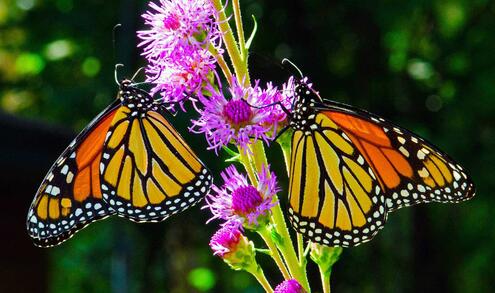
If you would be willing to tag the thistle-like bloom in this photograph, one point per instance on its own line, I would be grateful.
(289, 286)
(243, 117)
(225, 240)
(176, 46)
(178, 23)
(237, 201)
(282, 103)
(182, 74)
(233, 247)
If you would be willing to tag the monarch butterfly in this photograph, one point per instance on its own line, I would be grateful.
(349, 168)
(128, 161)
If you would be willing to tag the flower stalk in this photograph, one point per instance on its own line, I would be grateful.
(240, 29)
(257, 272)
(274, 253)
(325, 280)
(240, 67)
(221, 61)
(246, 162)
(183, 46)
(257, 154)
(325, 257)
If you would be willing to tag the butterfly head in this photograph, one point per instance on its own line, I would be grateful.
(303, 91)
(125, 83)
(303, 108)
(136, 99)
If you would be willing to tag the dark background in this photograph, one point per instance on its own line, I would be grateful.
(428, 65)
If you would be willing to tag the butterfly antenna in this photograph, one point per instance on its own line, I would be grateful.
(114, 30)
(148, 81)
(285, 60)
(137, 72)
(116, 72)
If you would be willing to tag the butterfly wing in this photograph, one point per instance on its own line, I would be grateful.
(410, 169)
(334, 196)
(70, 197)
(349, 168)
(148, 171)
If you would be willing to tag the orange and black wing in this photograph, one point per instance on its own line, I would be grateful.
(349, 168)
(334, 196)
(148, 172)
(409, 169)
(70, 196)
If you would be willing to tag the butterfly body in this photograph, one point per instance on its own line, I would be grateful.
(350, 168)
(128, 161)
(135, 99)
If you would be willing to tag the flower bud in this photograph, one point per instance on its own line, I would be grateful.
(289, 286)
(233, 247)
(325, 256)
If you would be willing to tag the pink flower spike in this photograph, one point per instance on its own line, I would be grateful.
(225, 240)
(240, 119)
(289, 286)
(237, 201)
(176, 44)
(182, 74)
(178, 23)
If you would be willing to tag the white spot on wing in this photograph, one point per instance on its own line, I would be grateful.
(64, 170)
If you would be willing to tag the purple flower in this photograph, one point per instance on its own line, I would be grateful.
(289, 286)
(182, 75)
(281, 102)
(287, 97)
(239, 119)
(225, 240)
(239, 202)
(178, 23)
(233, 247)
(176, 46)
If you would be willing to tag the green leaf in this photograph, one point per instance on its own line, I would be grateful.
(277, 238)
(253, 33)
(235, 156)
(233, 159)
(263, 250)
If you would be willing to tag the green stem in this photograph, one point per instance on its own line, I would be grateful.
(260, 276)
(245, 160)
(285, 144)
(296, 269)
(300, 249)
(325, 280)
(260, 158)
(265, 234)
(287, 248)
(221, 62)
(240, 29)
(240, 67)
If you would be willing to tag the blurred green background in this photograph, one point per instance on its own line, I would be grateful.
(427, 65)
